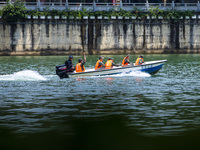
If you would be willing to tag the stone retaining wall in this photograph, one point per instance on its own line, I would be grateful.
(99, 36)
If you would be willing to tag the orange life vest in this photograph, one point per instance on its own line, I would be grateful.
(97, 65)
(108, 64)
(79, 68)
(139, 61)
(124, 63)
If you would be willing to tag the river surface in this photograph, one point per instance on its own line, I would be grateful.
(34, 99)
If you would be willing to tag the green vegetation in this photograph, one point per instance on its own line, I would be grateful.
(16, 11)
(176, 14)
(1, 12)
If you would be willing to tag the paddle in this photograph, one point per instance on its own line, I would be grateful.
(118, 64)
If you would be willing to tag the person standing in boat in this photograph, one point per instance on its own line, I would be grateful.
(69, 64)
(109, 64)
(99, 64)
(80, 66)
(139, 60)
(126, 61)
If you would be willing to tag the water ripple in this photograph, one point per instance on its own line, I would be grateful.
(165, 103)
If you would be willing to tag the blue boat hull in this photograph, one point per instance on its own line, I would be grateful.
(152, 70)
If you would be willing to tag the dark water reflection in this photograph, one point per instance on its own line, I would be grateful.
(163, 104)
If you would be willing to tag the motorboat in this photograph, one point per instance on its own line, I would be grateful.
(150, 67)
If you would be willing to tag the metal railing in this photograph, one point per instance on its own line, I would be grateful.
(107, 6)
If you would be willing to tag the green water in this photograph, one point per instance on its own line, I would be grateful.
(33, 99)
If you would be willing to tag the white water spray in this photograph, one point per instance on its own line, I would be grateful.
(25, 75)
(132, 74)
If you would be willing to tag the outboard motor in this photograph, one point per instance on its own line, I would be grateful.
(61, 71)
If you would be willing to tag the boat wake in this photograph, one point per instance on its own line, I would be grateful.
(131, 74)
(25, 75)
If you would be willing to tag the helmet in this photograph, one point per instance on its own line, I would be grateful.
(110, 59)
(70, 57)
(128, 55)
(141, 56)
(101, 57)
(80, 60)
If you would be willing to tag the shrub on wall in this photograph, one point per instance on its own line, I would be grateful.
(14, 12)
(176, 14)
(1, 12)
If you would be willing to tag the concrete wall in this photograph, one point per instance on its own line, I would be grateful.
(99, 36)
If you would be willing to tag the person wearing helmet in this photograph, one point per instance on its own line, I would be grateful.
(126, 61)
(69, 64)
(109, 64)
(99, 64)
(80, 66)
(139, 60)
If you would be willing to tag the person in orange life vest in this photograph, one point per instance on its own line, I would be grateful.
(126, 61)
(109, 64)
(139, 60)
(80, 66)
(99, 64)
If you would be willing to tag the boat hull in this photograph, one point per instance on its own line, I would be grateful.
(150, 67)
